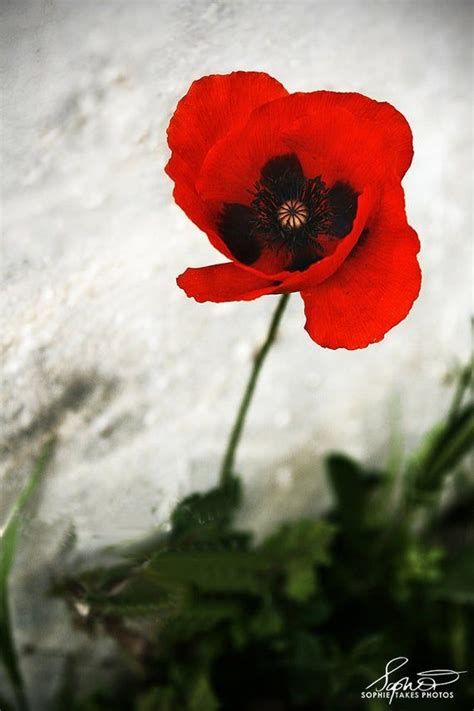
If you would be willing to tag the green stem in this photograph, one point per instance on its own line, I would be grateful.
(236, 433)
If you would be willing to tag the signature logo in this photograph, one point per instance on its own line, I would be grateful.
(425, 686)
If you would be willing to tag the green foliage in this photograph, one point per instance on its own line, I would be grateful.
(298, 549)
(210, 571)
(308, 617)
(205, 517)
(442, 450)
(445, 446)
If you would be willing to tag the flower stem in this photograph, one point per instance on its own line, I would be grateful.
(236, 433)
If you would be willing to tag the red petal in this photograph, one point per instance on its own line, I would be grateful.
(224, 282)
(201, 213)
(212, 107)
(375, 287)
(341, 136)
(232, 166)
(392, 126)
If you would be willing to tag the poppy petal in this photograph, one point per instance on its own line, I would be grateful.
(375, 287)
(391, 124)
(185, 195)
(344, 137)
(224, 282)
(203, 214)
(213, 106)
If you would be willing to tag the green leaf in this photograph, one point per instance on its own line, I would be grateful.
(202, 697)
(204, 516)
(8, 543)
(295, 549)
(201, 615)
(305, 538)
(211, 571)
(301, 581)
(441, 451)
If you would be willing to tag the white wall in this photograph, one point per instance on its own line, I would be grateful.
(141, 381)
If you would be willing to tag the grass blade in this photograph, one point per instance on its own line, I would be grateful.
(8, 542)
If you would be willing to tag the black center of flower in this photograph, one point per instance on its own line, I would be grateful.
(287, 215)
(290, 210)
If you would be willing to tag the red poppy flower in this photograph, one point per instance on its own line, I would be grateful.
(300, 192)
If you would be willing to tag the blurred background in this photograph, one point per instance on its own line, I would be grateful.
(101, 346)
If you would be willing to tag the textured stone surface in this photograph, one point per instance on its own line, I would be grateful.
(140, 382)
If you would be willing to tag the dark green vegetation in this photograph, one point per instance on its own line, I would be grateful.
(305, 619)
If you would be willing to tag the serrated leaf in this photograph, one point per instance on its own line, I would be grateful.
(141, 595)
(200, 616)
(305, 538)
(212, 571)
